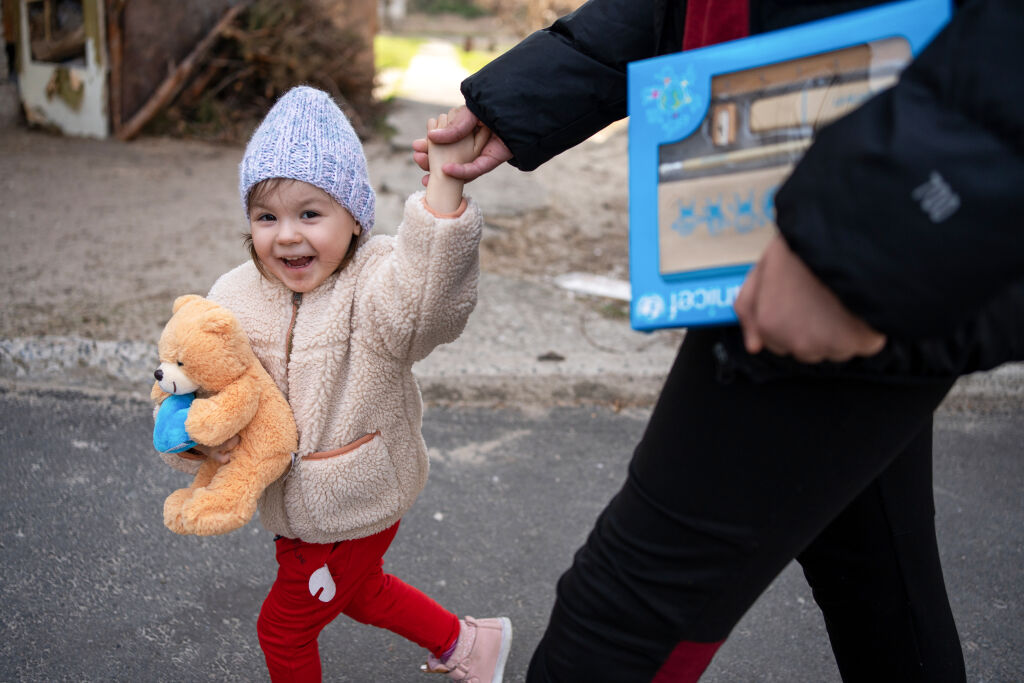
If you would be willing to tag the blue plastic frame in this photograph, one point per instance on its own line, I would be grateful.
(705, 297)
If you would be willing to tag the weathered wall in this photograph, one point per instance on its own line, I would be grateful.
(71, 95)
(156, 36)
(361, 18)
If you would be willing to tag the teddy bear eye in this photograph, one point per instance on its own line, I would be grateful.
(180, 363)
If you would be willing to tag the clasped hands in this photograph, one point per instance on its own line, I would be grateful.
(462, 123)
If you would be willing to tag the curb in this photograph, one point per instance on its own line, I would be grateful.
(88, 365)
(505, 379)
(76, 362)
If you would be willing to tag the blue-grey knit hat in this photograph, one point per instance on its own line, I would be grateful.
(306, 137)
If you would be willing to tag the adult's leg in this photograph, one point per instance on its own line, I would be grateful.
(876, 575)
(729, 483)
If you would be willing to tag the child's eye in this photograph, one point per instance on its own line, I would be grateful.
(309, 214)
(265, 218)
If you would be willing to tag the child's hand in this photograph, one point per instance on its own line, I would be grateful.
(444, 193)
(221, 453)
(462, 123)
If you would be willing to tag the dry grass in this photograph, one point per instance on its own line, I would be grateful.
(273, 46)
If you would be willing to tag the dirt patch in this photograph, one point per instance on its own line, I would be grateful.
(544, 243)
(583, 225)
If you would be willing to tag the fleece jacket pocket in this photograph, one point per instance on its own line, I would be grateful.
(351, 487)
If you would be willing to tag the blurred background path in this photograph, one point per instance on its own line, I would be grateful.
(433, 76)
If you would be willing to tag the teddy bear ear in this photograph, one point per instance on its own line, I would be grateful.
(219, 322)
(182, 300)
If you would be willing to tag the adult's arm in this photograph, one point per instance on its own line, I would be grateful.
(909, 209)
(564, 83)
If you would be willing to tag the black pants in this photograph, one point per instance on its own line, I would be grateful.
(733, 480)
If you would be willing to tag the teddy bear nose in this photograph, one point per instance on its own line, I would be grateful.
(159, 374)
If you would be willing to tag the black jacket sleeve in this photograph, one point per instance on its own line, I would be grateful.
(910, 208)
(562, 84)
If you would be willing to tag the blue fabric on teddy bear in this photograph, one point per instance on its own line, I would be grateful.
(169, 435)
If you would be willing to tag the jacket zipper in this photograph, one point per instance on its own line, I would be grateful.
(296, 302)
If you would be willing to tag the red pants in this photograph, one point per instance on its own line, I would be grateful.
(292, 618)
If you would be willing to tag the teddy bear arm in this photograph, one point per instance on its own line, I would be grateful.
(214, 420)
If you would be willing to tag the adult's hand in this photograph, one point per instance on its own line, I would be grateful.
(461, 124)
(785, 308)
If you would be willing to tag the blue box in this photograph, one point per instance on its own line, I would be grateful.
(713, 133)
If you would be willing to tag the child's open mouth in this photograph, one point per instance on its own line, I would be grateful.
(300, 262)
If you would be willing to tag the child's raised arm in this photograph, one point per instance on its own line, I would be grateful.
(444, 193)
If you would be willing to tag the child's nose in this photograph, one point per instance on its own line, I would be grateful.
(287, 233)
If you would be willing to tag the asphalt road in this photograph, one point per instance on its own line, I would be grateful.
(95, 589)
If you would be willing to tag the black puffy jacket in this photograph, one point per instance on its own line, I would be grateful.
(948, 292)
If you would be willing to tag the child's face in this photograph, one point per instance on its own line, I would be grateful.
(300, 234)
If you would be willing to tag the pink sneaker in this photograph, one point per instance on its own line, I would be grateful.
(480, 652)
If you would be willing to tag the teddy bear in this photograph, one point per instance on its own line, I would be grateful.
(204, 351)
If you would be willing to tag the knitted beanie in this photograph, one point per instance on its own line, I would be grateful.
(306, 137)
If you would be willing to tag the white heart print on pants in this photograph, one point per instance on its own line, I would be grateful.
(322, 582)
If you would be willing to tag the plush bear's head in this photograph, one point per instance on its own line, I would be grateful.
(202, 347)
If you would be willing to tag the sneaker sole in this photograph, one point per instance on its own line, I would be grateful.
(506, 647)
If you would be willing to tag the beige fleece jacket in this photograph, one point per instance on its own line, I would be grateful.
(361, 460)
